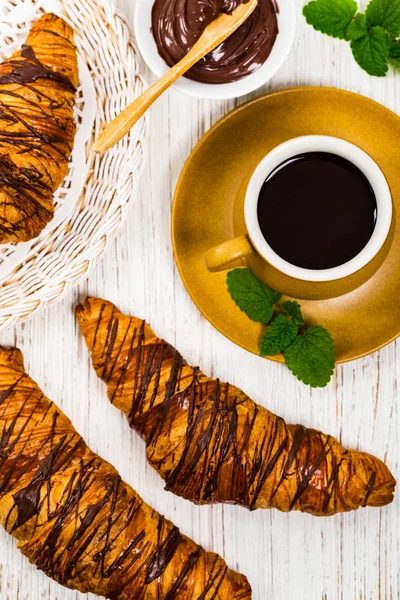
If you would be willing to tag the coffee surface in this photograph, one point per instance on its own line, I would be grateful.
(178, 24)
(317, 210)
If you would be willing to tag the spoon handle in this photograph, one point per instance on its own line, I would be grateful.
(121, 125)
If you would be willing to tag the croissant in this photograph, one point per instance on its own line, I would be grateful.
(209, 441)
(77, 521)
(37, 127)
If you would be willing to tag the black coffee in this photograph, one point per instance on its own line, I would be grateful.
(317, 210)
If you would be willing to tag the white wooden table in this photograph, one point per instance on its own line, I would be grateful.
(285, 556)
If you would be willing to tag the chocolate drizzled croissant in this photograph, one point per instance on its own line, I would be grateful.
(209, 441)
(37, 127)
(77, 521)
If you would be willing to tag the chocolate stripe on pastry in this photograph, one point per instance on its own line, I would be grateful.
(37, 127)
(77, 521)
(209, 441)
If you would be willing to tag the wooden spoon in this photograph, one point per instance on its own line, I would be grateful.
(215, 33)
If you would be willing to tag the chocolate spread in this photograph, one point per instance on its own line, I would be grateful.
(178, 24)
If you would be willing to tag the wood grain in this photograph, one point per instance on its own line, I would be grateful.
(348, 557)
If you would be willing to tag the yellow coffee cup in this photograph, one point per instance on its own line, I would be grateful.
(253, 249)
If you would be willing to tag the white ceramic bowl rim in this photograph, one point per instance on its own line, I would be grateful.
(284, 41)
(362, 160)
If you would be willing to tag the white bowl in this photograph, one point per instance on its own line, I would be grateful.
(218, 91)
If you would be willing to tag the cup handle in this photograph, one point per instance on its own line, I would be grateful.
(220, 257)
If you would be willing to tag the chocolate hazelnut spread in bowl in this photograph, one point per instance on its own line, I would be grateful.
(167, 29)
(178, 24)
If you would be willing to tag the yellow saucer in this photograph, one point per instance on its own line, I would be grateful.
(212, 186)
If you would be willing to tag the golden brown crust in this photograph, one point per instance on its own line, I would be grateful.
(37, 127)
(209, 441)
(75, 518)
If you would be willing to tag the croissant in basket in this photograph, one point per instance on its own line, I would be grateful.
(37, 127)
(209, 441)
(77, 521)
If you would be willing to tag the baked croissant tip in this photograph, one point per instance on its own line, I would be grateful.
(382, 494)
(83, 311)
(91, 308)
(49, 16)
(11, 356)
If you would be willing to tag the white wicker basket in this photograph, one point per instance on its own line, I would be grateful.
(92, 202)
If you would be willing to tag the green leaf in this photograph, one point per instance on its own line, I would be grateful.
(278, 336)
(386, 14)
(311, 357)
(372, 52)
(251, 295)
(357, 28)
(394, 54)
(331, 16)
(292, 309)
(275, 296)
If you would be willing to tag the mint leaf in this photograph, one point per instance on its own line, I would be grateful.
(357, 28)
(292, 309)
(331, 16)
(372, 52)
(386, 14)
(275, 296)
(394, 54)
(311, 357)
(251, 295)
(278, 336)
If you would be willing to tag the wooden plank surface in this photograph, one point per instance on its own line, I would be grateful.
(286, 556)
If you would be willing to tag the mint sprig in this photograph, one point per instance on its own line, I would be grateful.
(309, 352)
(373, 35)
